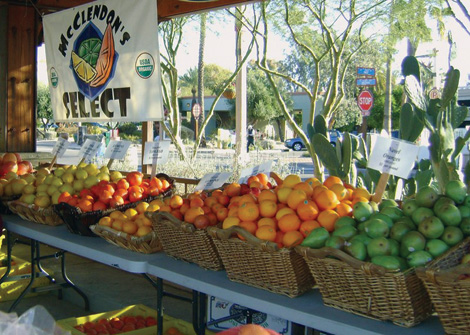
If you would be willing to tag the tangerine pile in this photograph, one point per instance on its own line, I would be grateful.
(132, 221)
(284, 214)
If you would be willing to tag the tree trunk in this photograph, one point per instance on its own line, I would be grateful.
(387, 123)
(200, 74)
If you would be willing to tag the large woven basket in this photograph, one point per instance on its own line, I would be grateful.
(261, 263)
(183, 241)
(4, 201)
(36, 214)
(366, 289)
(79, 223)
(449, 293)
(147, 244)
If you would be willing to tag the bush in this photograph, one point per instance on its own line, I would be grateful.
(129, 128)
(136, 139)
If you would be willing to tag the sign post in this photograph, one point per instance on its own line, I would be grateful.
(196, 111)
(365, 101)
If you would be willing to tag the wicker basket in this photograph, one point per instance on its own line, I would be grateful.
(449, 293)
(260, 263)
(147, 244)
(366, 289)
(4, 207)
(33, 213)
(79, 223)
(183, 241)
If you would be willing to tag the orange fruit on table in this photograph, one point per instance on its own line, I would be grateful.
(304, 186)
(232, 189)
(196, 202)
(289, 222)
(359, 199)
(344, 209)
(327, 219)
(85, 205)
(283, 194)
(326, 199)
(263, 178)
(284, 211)
(278, 240)
(307, 210)
(291, 180)
(117, 224)
(267, 208)
(313, 182)
(142, 207)
(267, 195)
(155, 182)
(318, 189)
(271, 222)
(230, 221)
(233, 211)
(131, 212)
(252, 179)
(176, 201)
(165, 185)
(247, 198)
(307, 226)
(223, 200)
(361, 192)
(177, 214)
(143, 230)
(117, 215)
(340, 191)
(222, 213)
(266, 233)
(129, 227)
(249, 226)
(210, 201)
(105, 221)
(216, 193)
(331, 180)
(248, 212)
(295, 198)
(292, 238)
(99, 206)
(191, 214)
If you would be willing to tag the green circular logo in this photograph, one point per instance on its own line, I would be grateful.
(54, 77)
(144, 65)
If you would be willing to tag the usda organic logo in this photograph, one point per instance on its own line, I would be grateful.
(54, 78)
(144, 65)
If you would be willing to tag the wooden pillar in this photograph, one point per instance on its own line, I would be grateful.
(147, 136)
(3, 75)
(21, 80)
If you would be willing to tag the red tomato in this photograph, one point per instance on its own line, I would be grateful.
(150, 321)
(105, 196)
(123, 193)
(134, 178)
(122, 184)
(135, 196)
(116, 201)
(99, 206)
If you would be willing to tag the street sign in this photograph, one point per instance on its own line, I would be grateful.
(196, 110)
(434, 93)
(365, 71)
(366, 82)
(365, 101)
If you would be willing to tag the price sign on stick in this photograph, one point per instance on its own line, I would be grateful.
(212, 181)
(89, 150)
(156, 153)
(391, 157)
(253, 171)
(116, 150)
(59, 149)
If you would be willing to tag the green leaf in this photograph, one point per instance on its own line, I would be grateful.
(310, 131)
(450, 87)
(410, 67)
(346, 148)
(424, 178)
(458, 115)
(327, 154)
(319, 125)
(414, 91)
(410, 124)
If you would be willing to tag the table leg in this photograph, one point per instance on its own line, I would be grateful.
(71, 284)
(199, 312)
(9, 248)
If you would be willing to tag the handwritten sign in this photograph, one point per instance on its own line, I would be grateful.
(393, 156)
(60, 147)
(117, 149)
(156, 152)
(89, 149)
(212, 181)
(253, 171)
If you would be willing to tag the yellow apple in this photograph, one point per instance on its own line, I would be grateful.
(42, 201)
(59, 171)
(91, 181)
(103, 176)
(17, 186)
(81, 174)
(68, 177)
(115, 175)
(78, 185)
(29, 189)
(28, 198)
(91, 169)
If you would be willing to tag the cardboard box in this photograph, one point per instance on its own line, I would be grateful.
(11, 290)
(218, 308)
(133, 310)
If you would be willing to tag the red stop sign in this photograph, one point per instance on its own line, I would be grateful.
(365, 101)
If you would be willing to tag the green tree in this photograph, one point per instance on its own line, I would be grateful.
(44, 109)
(214, 77)
(375, 120)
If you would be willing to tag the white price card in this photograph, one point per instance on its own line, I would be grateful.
(253, 171)
(212, 181)
(392, 156)
(156, 152)
(89, 149)
(117, 149)
(60, 147)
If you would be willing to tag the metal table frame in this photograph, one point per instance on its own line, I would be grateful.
(307, 310)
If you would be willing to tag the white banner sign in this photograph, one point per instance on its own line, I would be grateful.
(117, 149)
(156, 152)
(393, 156)
(89, 149)
(212, 181)
(253, 171)
(103, 62)
(60, 147)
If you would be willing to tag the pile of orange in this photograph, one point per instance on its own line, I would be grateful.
(285, 214)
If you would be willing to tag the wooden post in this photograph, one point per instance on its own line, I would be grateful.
(380, 189)
(147, 136)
